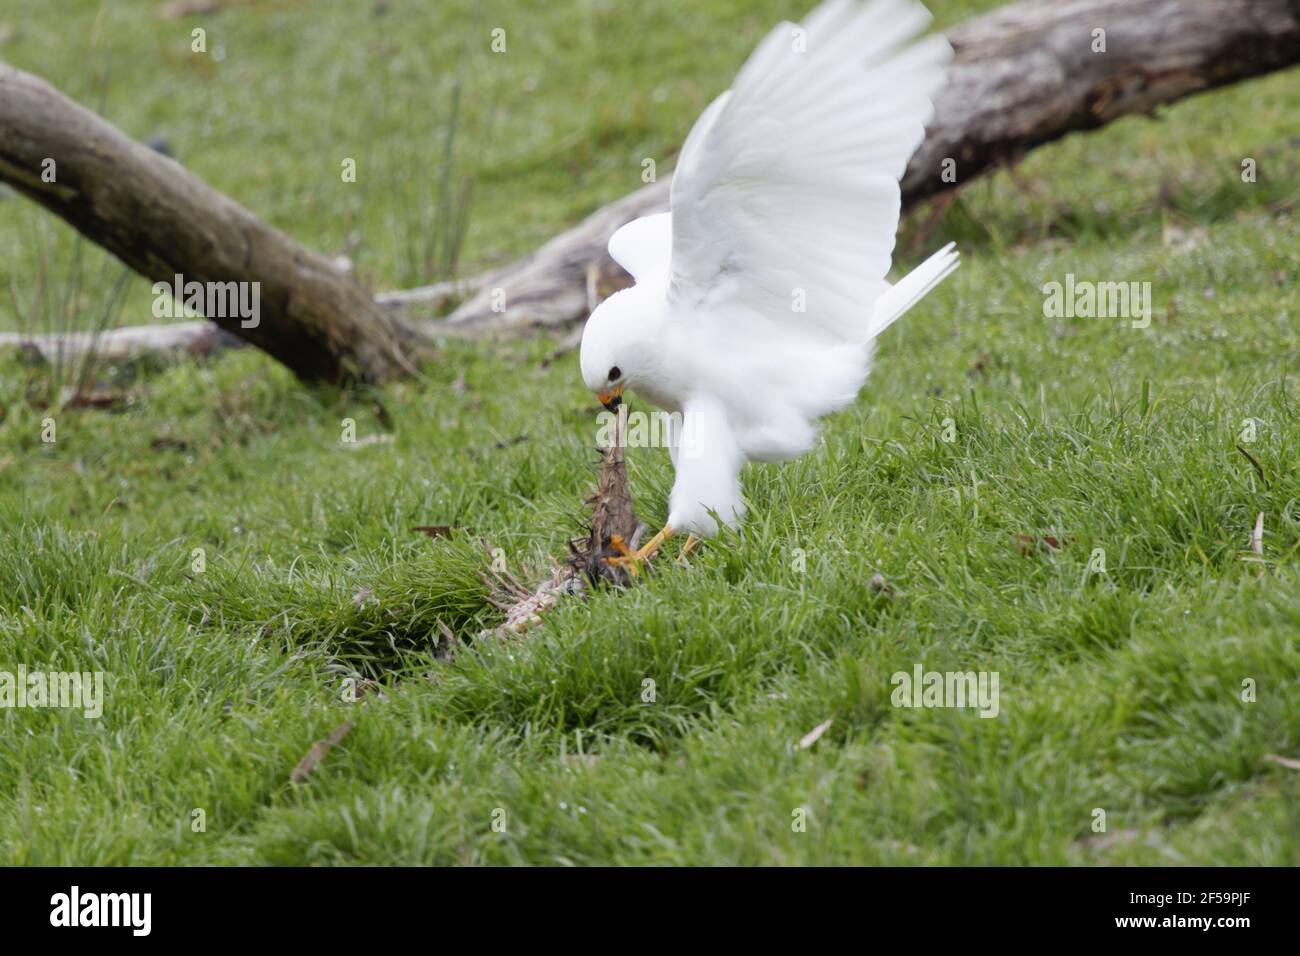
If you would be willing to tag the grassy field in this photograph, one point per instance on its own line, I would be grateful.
(1126, 655)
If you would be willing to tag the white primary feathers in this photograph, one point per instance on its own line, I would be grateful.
(759, 296)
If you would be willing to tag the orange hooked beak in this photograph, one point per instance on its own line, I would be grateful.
(611, 399)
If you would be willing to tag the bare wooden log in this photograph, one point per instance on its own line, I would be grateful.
(1029, 73)
(436, 296)
(199, 337)
(1023, 75)
(563, 279)
(163, 221)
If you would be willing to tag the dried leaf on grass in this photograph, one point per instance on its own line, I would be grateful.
(1289, 762)
(814, 735)
(318, 751)
(1254, 463)
(1029, 544)
(434, 530)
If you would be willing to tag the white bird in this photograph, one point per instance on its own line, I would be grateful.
(758, 298)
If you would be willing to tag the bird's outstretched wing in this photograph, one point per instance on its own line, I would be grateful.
(786, 199)
(642, 246)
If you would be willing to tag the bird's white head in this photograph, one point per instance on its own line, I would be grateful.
(612, 353)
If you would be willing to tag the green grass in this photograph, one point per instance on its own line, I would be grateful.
(1120, 690)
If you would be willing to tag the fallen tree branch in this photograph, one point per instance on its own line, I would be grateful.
(199, 337)
(1023, 75)
(435, 297)
(552, 286)
(163, 221)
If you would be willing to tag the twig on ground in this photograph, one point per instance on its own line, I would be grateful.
(318, 751)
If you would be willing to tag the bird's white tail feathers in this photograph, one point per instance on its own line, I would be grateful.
(912, 287)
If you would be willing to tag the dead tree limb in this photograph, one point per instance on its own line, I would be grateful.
(1023, 75)
(199, 337)
(163, 221)
(1029, 73)
(562, 281)
(434, 297)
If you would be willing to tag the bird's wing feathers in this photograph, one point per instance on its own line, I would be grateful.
(642, 246)
(786, 200)
(785, 204)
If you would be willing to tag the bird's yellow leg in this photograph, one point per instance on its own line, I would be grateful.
(632, 560)
(690, 547)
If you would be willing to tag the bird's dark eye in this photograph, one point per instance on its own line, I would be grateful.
(615, 373)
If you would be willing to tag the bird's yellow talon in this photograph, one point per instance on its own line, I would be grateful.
(631, 560)
(618, 544)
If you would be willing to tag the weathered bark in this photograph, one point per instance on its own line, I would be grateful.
(564, 279)
(1027, 74)
(433, 297)
(1022, 76)
(163, 221)
(199, 337)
